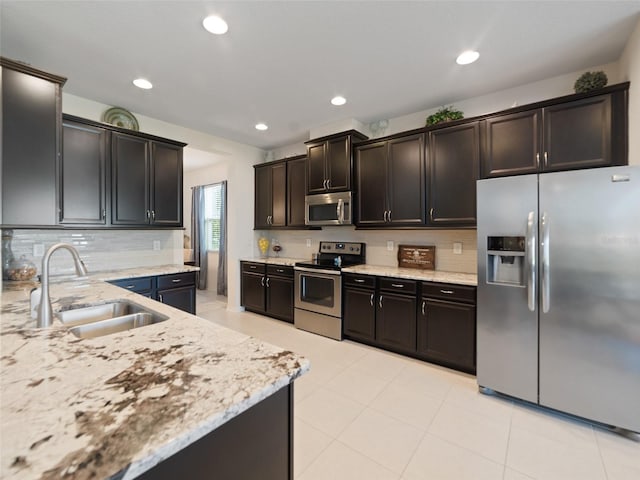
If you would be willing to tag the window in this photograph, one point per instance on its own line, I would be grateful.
(212, 206)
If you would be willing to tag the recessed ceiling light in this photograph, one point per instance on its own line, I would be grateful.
(261, 126)
(143, 83)
(467, 57)
(338, 100)
(215, 25)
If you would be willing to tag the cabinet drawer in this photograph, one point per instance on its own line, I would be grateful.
(398, 285)
(365, 281)
(254, 267)
(176, 280)
(449, 291)
(142, 284)
(279, 270)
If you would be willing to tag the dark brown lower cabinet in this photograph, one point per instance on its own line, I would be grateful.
(258, 443)
(267, 289)
(359, 314)
(177, 290)
(447, 327)
(396, 321)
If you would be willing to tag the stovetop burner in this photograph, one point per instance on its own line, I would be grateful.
(335, 255)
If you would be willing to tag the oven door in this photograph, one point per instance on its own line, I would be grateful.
(318, 291)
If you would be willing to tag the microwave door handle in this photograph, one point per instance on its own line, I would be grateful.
(340, 211)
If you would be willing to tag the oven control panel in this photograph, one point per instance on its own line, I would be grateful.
(341, 248)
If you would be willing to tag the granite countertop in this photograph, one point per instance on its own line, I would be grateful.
(415, 274)
(121, 403)
(290, 262)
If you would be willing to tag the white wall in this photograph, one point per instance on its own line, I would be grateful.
(238, 160)
(630, 70)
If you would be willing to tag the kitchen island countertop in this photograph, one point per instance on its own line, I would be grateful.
(121, 403)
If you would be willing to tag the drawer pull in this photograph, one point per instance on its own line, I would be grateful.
(252, 267)
(176, 280)
(130, 286)
(397, 285)
(358, 280)
(279, 270)
(447, 292)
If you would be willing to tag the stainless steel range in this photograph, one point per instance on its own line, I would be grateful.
(318, 288)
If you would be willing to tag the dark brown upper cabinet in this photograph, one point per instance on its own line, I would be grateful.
(390, 182)
(329, 162)
(83, 174)
(146, 181)
(453, 159)
(270, 195)
(578, 131)
(296, 190)
(31, 144)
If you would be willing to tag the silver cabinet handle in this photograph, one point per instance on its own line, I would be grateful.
(358, 280)
(153, 214)
(424, 304)
(397, 285)
(104, 214)
(267, 282)
(380, 301)
(279, 270)
(262, 282)
(328, 183)
(371, 299)
(532, 244)
(384, 216)
(431, 214)
(546, 289)
(537, 159)
(160, 298)
(447, 292)
(389, 215)
(176, 280)
(130, 286)
(252, 267)
(148, 214)
(546, 158)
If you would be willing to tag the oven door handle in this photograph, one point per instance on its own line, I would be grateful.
(317, 270)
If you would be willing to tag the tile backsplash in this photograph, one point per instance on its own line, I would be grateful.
(101, 249)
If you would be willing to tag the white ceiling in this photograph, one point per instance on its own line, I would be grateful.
(281, 62)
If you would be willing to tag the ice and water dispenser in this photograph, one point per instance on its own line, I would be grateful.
(505, 261)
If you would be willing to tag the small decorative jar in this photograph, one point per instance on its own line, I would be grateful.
(21, 269)
(263, 245)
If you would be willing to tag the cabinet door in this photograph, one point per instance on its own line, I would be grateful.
(578, 134)
(447, 333)
(396, 321)
(183, 298)
(253, 291)
(406, 181)
(296, 190)
(371, 183)
(166, 187)
(279, 195)
(339, 164)
(511, 144)
(262, 210)
(30, 139)
(359, 314)
(279, 292)
(129, 180)
(453, 171)
(83, 174)
(316, 172)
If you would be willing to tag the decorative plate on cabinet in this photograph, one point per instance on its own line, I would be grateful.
(120, 118)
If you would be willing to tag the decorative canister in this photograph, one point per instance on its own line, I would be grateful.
(21, 269)
(263, 245)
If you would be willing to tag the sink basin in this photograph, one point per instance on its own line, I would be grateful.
(108, 318)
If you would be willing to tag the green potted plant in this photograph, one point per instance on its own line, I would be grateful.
(590, 81)
(445, 114)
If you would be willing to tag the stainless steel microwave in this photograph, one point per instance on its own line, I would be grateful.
(328, 209)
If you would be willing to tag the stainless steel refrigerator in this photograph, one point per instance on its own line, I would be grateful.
(559, 291)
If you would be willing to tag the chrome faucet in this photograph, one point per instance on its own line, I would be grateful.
(45, 312)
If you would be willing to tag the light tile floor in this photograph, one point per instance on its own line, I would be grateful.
(363, 413)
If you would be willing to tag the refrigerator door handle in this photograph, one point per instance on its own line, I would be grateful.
(545, 263)
(531, 261)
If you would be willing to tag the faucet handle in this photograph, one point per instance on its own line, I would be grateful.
(35, 295)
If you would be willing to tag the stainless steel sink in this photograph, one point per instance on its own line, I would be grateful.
(108, 318)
